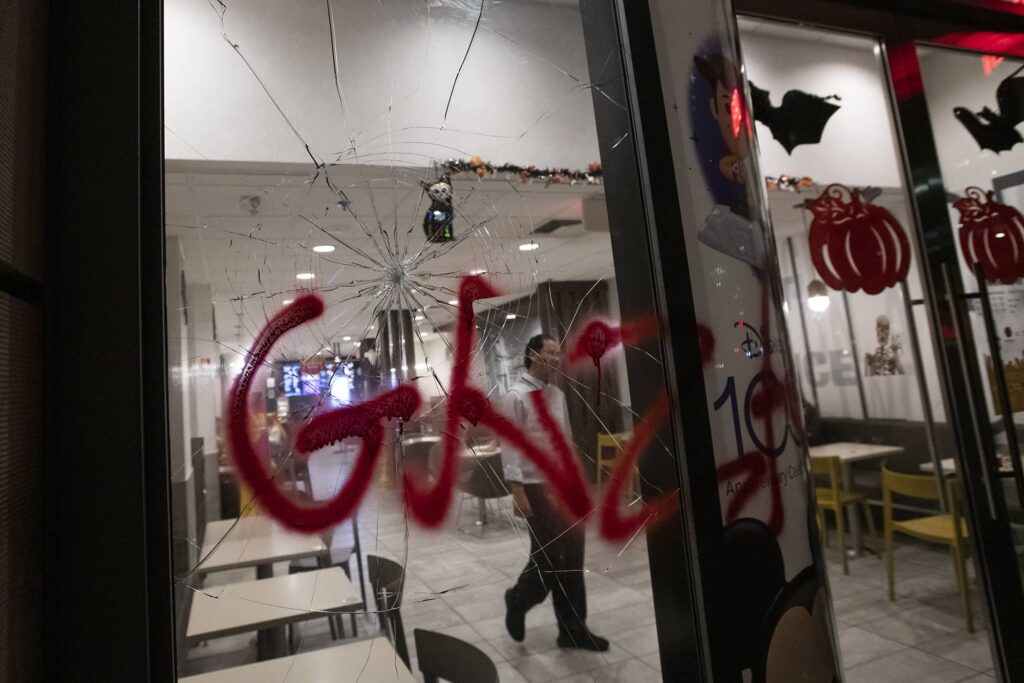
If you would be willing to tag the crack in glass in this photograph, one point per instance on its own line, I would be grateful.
(354, 131)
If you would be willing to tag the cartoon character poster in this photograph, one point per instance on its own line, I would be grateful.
(780, 606)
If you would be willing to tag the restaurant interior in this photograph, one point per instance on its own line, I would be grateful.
(305, 147)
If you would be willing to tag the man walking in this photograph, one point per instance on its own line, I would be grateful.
(555, 564)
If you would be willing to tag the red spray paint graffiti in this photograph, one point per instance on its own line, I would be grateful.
(427, 503)
(598, 338)
(363, 421)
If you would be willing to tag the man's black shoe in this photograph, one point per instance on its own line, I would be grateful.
(515, 618)
(583, 641)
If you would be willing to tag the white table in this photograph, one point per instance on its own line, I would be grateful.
(270, 603)
(255, 541)
(364, 660)
(849, 452)
(948, 466)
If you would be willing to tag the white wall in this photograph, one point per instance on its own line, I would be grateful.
(619, 357)
(518, 97)
(858, 146)
(203, 378)
(433, 353)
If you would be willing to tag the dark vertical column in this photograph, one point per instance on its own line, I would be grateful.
(23, 60)
(633, 224)
(750, 549)
(397, 346)
(108, 539)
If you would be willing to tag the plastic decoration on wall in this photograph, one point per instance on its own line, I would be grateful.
(437, 223)
(854, 244)
(992, 234)
(799, 120)
(788, 183)
(885, 359)
(997, 130)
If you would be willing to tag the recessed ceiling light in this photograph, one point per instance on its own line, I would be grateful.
(323, 248)
(305, 276)
(346, 339)
(453, 302)
(510, 316)
(419, 317)
(477, 271)
(286, 302)
(529, 246)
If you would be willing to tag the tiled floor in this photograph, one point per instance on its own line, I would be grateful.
(922, 636)
(456, 579)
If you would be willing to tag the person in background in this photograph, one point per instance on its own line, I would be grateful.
(812, 424)
(555, 564)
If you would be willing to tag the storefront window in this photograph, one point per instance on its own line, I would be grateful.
(857, 319)
(395, 296)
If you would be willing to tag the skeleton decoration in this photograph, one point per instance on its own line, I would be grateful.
(437, 223)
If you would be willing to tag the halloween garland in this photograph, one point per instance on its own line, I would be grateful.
(526, 174)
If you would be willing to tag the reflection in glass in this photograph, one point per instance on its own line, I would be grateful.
(844, 230)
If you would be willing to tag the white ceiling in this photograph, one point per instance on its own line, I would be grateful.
(250, 256)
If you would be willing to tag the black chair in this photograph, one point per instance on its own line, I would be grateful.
(387, 579)
(483, 478)
(454, 660)
(338, 555)
(416, 452)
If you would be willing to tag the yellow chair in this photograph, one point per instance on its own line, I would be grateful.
(614, 443)
(833, 497)
(949, 529)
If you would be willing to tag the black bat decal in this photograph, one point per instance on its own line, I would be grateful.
(800, 120)
(997, 130)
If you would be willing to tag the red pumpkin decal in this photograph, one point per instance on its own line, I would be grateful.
(854, 244)
(991, 234)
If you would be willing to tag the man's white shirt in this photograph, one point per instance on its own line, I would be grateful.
(517, 407)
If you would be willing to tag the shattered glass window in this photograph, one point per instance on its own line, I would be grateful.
(401, 353)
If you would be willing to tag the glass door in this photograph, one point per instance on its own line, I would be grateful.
(829, 148)
(969, 101)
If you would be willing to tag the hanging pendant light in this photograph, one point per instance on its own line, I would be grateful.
(817, 296)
